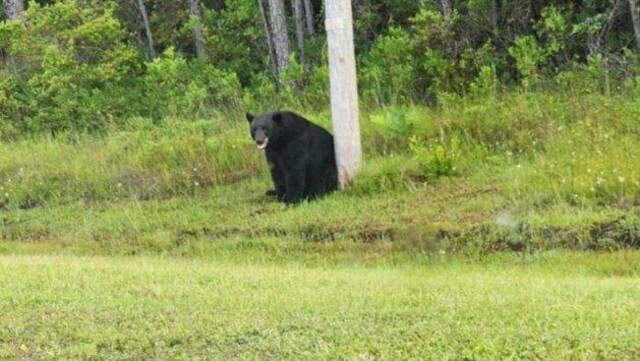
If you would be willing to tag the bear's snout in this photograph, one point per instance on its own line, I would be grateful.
(262, 143)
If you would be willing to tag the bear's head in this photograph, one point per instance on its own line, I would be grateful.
(265, 128)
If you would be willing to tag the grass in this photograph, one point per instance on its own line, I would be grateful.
(518, 172)
(552, 306)
(159, 243)
(451, 215)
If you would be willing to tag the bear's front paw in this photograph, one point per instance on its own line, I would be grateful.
(271, 193)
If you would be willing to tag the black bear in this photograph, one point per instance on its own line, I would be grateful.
(300, 155)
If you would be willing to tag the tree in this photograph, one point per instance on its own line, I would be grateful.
(344, 89)
(267, 31)
(279, 33)
(298, 13)
(13, 9)
(635, 18)
(308, 11)
(147, 28)
(447, 7)
(198, 37)
(596, 41)
(495, 16)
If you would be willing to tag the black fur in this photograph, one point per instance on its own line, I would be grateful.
(300, 155)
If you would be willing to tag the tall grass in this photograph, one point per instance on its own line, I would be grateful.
(434, 173)
(179, 158)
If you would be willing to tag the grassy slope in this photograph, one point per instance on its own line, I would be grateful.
(452, 215)
(447, 217)
(530, 171)
(555, 306)
(357, 275)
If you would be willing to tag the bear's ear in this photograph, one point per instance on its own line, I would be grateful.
(249, 117)
(277, 118)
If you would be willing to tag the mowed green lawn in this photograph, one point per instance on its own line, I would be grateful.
(550, 306)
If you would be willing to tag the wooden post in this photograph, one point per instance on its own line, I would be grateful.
(344, 89)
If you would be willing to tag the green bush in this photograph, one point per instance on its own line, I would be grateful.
(233, 37)
(528, 56)
(450, 58)
(554, 29)
(388, 72)
(173, 87)
(485, 85)
(436, 160)
(73, 69)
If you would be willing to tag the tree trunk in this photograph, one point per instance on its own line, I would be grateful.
(147, 28)
(279, 32)
(635, 17)
(495, 16)
(267, 32)
(219, 5)
(308, 11)
(344, 89)
(198, 37)
(447, 7)
(13, 9)
(298, 13)
(595, 42)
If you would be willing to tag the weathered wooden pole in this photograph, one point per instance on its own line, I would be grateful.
(344, 89)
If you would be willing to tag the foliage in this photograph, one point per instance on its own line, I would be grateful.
(553, 27)
(235, 42)
(85, 65)
(74, 71)
(389, 70)
(528, 57)
(174, 87)
(435, 161)
(396, 125)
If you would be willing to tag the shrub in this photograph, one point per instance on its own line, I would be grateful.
(74, 71)
(396, 125)
(437, 160)
(175, 88)
(528, 56)
(388, 71)
(553, 27)
(485, 85)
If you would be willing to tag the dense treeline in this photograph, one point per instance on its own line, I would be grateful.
(91, 65)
